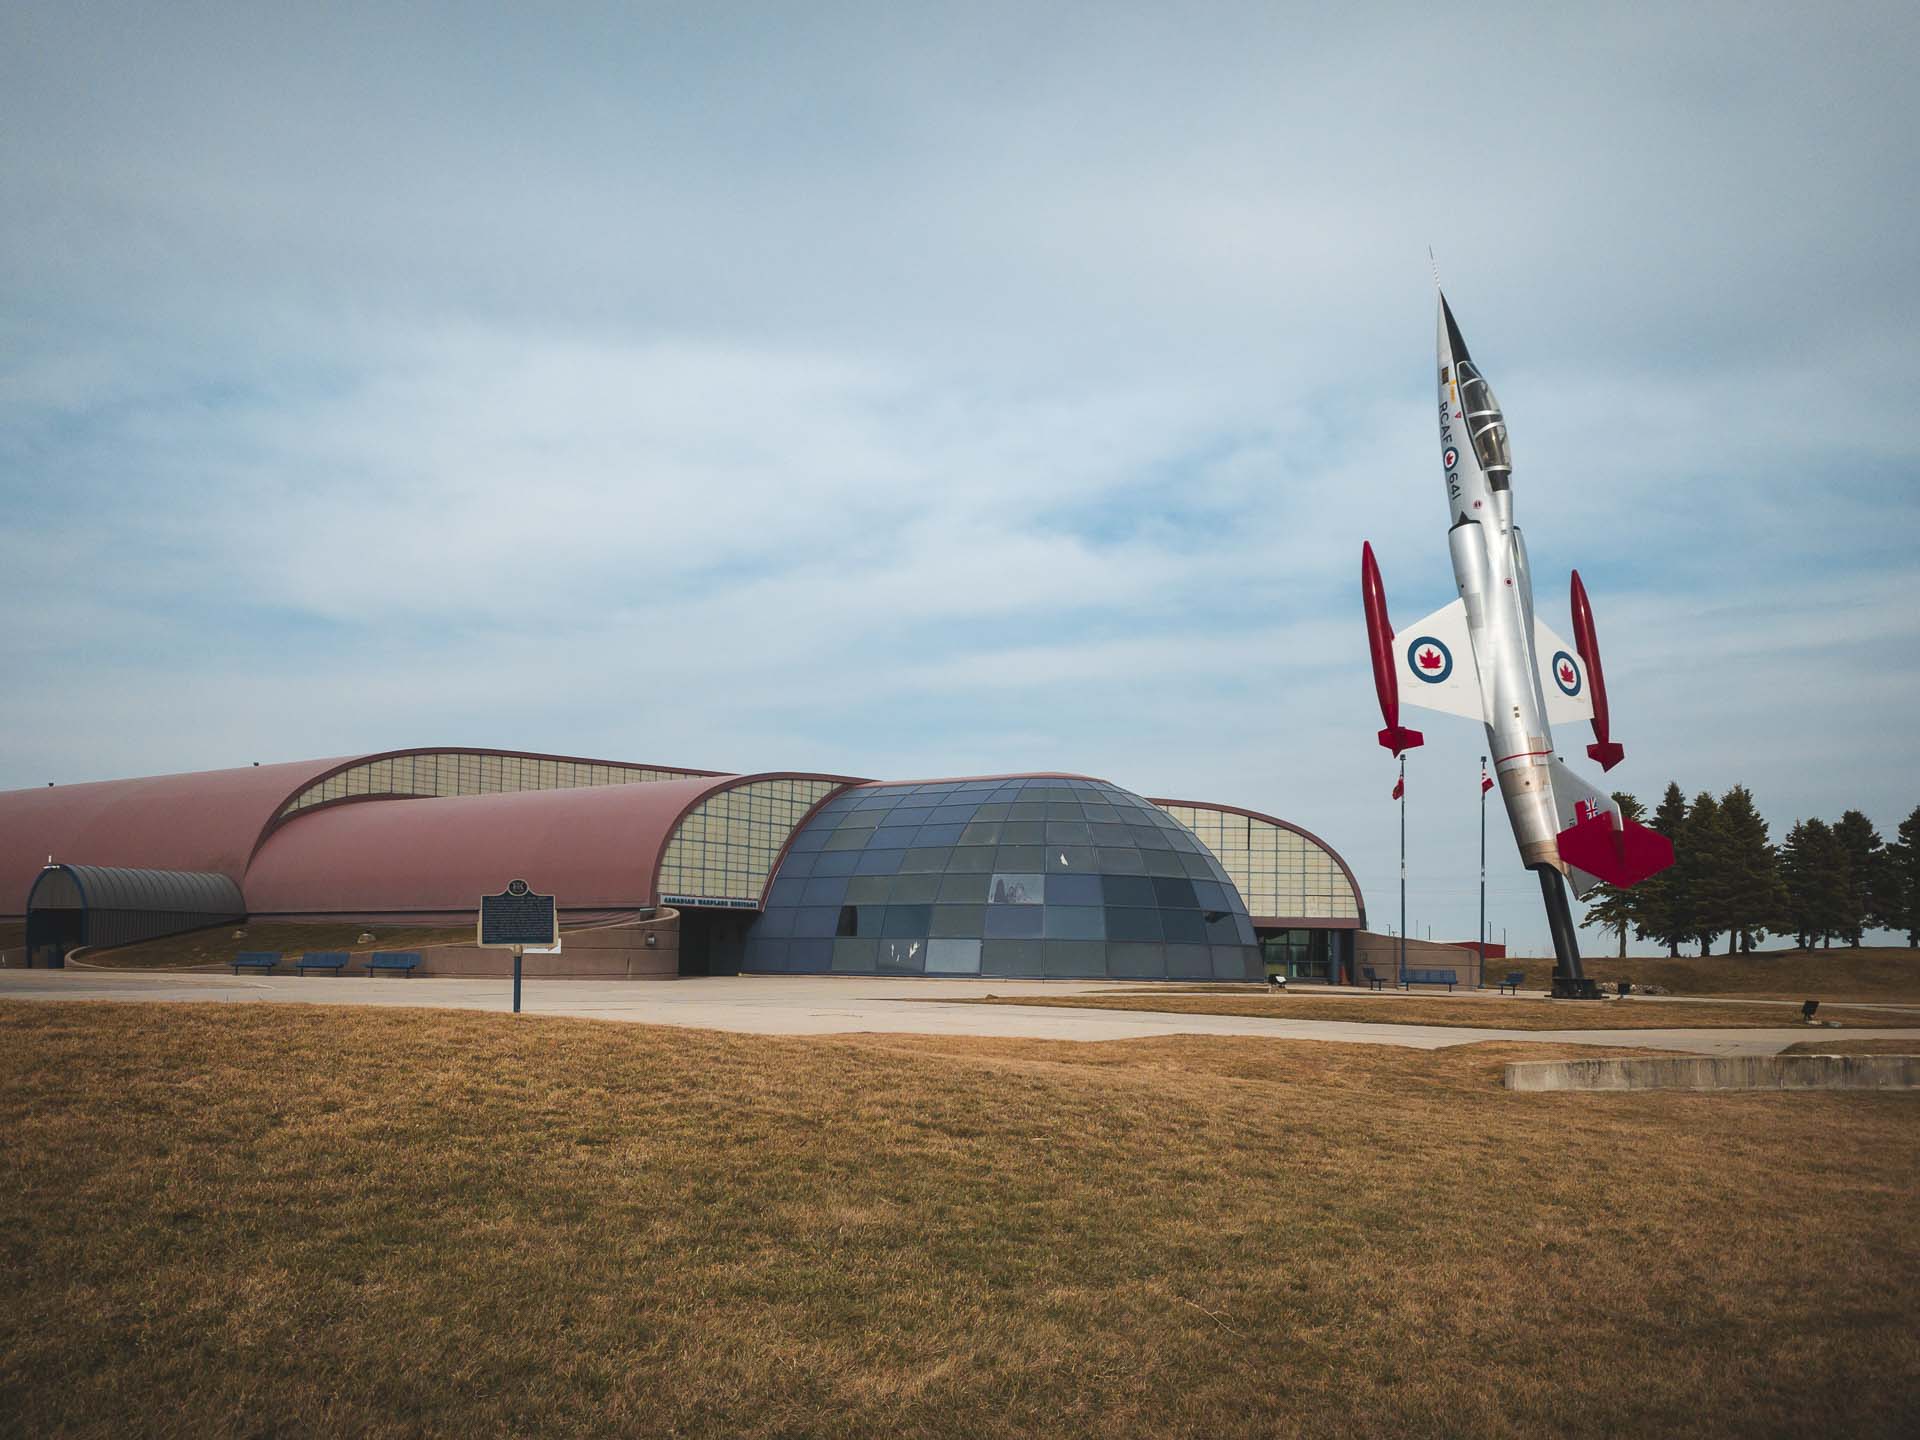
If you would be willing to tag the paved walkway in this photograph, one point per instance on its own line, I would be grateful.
(839, 1005)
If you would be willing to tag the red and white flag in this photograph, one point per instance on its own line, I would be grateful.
(1399, 788)
(1486, 782)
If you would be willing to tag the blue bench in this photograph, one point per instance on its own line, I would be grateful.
(1367, 974)
(334, 960)
(401, 962)
(1511, 985)
(1432, 977)
(261, 960)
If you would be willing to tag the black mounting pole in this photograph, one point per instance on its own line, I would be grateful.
(516, 979)
(1569, 980)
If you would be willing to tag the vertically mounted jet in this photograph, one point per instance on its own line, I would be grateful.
(1487, 657)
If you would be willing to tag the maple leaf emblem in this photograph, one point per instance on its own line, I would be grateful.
(1566, 675)
(1429, 659)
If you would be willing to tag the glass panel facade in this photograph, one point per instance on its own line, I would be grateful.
(1033, 877)
(725, 847)
(1280, 873)
(451, 772)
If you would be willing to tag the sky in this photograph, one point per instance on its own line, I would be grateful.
(918, 391)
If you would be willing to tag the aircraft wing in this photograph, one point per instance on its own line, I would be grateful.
(1437, 668)
(1563, 677)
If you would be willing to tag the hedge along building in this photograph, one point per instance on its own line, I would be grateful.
(663, 870)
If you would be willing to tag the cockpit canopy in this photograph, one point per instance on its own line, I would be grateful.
(1486, 426)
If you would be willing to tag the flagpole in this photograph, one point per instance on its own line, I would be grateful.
(1482, 946)
(1402, 787)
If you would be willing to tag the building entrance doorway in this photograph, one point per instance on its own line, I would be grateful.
(713, 942)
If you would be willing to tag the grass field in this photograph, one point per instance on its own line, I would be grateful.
(240, 1221)
(1873, 972)
(1484, 1012)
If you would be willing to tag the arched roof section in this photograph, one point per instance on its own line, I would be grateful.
(1287, 875)
(725, 846)
(593, 848)
(115, 887)
(448, 770)
(206, 820)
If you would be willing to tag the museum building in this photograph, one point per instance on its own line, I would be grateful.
(661, 871)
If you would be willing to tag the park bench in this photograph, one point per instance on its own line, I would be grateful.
(1368, 974)
(1432, 977)
(334, 960)
(1511, 985)
(400, 962)
(261, 960)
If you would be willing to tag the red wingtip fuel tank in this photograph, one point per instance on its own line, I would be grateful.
(1603, 751)
(1386, 683)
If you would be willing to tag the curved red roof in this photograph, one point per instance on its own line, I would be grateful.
(593, 848)
(207, 820)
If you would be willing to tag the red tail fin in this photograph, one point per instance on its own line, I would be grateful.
(1620, 857)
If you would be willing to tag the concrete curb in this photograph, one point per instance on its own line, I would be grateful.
(1720, 1072)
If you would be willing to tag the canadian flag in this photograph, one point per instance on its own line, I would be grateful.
(1399, 788)
(1486, 782)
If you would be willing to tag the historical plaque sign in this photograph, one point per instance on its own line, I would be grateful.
(518, 920)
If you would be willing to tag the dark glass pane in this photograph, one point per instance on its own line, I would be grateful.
(1069, 858)
(854, 956)
(952, 814)
(1068, 832)
(912, 815)
(810, 957)
(992, 810)
(942, 835)
(1023, 832)
(1200, 867)
(1142, 962)
(964, 921)
(1101, 814)
(868, 890)
(1065, 810)
(1125, 923)
(1184, 840)
(765, 955)
(1245, 926)
(847, 840)
(906, 921)
(1162, 862)
(828, 891)
(971, 859)
(786, 891)
(1116, 860)
(1073, 922)
(1127, 889)
(1010, 957)
(894, 837)
(1028, 810)
(1188, 962)
(1183, 926)
(1237, 962)
(1110, 835)
(1010, 922)
(927, 859)
(812, 838)
(775, 924)
(797, 863)
(1174, 891)
(878, 800)
(953, 957)
(860, 820)
(967, 888)
(981, 832)
(816, 920)
(878, 862)
(1210, 895)
(1029, 858)
(1074, 960)
(902, 957)
(1224, 928)
(914, 889)
(836, 862)
(1016, 889)
(1075, 890)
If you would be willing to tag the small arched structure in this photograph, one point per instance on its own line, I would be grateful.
(105, 905)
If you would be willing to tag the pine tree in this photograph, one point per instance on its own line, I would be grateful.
(1662, 901)
(1753, 892)
(1818, 883)
(1901, 885)
(1702, 866)
(1609, 907)
(1798, 907)
(1862, 844)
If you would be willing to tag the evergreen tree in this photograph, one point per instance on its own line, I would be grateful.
(1753, 890)
(1901, 885)
(1818, 883)
(1861, 842)
(1608, 906)
(1702, 865)
(1797, 905)
(1662, 908)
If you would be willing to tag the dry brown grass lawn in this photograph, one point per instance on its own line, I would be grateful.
(1869, 973)
(1485, 1012)
(247, 1221)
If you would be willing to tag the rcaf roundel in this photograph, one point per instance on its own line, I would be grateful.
(1429, 659)
(1451, 458)
(1566, 674)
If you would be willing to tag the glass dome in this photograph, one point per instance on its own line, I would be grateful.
(1036, 877)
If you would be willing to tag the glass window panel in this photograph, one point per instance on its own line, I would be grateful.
(1149, 838)
(1105, 834)
(1188, 962)
(1074, 960)
(1235, 963)
(854, 956)
(1069, 857)
(1068, 832)
(785, 891)
(1124, 923)
(881, 800)
(1113, 860)
(939, 835)
(800, 863)
(951, 814)
(1023, 832)
(1142, 962)
(776, 923)
(964, 887)
(961, 920)
(1183, 926)
(972, 859)
(847, 840)
(821, 920)
(1011, 957)
(906, 921)
(953, 957)
(981, 832)
(902, 956)
(1198, 867)
(992, 810)
(1028, 810)
(1074, 889)
(878, 862)
(868, 890)
(862, 821)
(1010, 922)
(1026, 858)
(931, 858)
(1073, 922)
(1162, 862)
(836, 862)
(810, 957)
(894, 837)
(1016, 889)
(1065, 810)
(1126, 889)
(912, 815)
(915, 889)
(1171, 890)
(826, 891)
